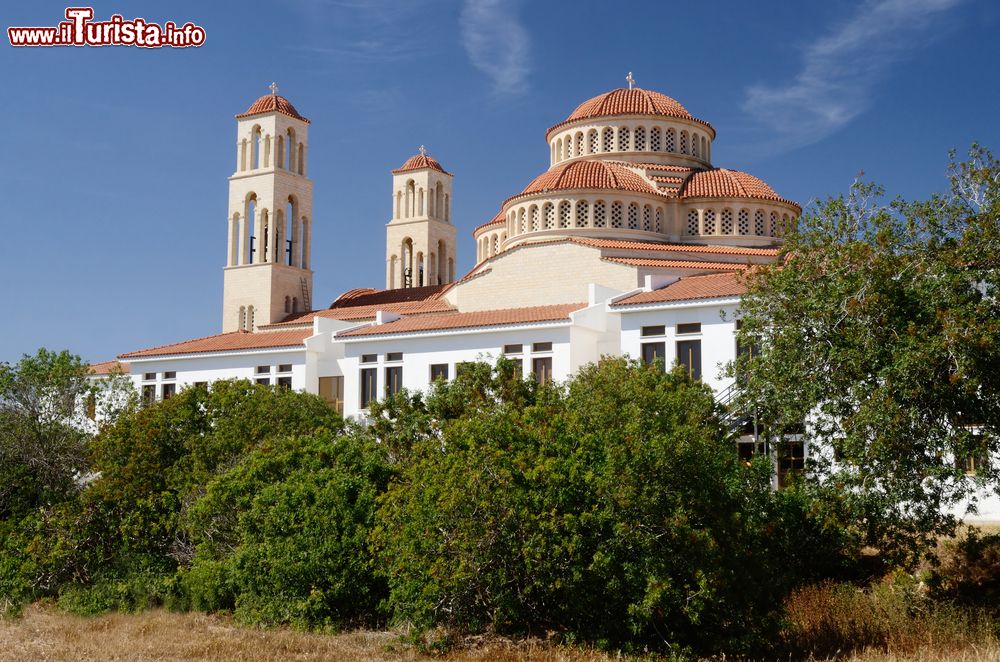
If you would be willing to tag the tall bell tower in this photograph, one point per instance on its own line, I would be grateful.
(420, 237)
(267, 274)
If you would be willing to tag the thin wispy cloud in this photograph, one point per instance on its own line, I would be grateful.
(841, 69)
(497, 43)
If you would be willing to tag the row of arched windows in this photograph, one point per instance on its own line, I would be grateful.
(291, 304)
(411, 268)
(623, 139)
(583, 214)
(489, 245)
(254, 236)
(246, 318)
(410, 202)
(256, 152)
(743, 222)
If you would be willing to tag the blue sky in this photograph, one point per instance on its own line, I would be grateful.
(114, 177)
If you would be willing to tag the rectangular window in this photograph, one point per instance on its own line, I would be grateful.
(791, 461)
(149, 376)
(170, 375)
(976, 461)
(369, 358)
(201, 384)
(148, 394)
(394, 356)
(542, 368)
(651, 351)
(369, 386)
(331, 389)
(439, 371)
(263, 370)
(169, 390)
(657, 330)
(266, 381)
(747, 450)
(285, 382)
(285, 367)
(542, 347)
(691, 327)
(689, 356)
(393, 380)
(513, 349)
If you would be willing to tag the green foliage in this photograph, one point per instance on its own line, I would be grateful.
(613, 511)
(882, 328)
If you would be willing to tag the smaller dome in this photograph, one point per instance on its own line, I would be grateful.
(588, 174)
(625, 101)
(418, 162)
(725, 183)
(272, 103)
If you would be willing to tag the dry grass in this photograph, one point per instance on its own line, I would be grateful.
(44, 633)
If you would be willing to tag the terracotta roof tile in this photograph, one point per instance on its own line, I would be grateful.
(227, 342)
(678, 248)
(502, 317)
(419, 161)
(724, 183)
(272, 103)
(499, 219)
(107, 367)
(587, 174)
(352, 313)
(667, 167)
(624, 101)
(677, 264)
(709, 286)
(366, 297)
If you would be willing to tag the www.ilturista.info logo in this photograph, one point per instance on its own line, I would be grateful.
(80, 30)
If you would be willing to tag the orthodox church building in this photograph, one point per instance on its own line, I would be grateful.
(630, 244)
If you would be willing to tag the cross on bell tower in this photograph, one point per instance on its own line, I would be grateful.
(631, 81)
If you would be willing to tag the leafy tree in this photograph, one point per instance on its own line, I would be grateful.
(881, 329)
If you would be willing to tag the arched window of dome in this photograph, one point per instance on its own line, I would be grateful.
(255, 147)
(773, 227)
(243, 318)
(616, 214)
(654, 139)
(579, 143)
(550, 215)
(709, 222)
(600, 214)
(704, 149)
(592, 142)
(279, 152)
(582, 213)
(694, 144)
(727, 221)
(535, 227)
(785, 225)
(633, 216)
(624, 139)
(564, 214)
(671, 140)
(692, 222)
(640, 139)
(520, 221)
(684, 142)
(609, 139)
(552, 152)
(743, 222)
(568, 147)
(658, 227)
(758, 222)
(302, 159)
(647, 218)
(559, 150)
(496, 244)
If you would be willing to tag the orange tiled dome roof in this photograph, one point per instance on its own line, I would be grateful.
(725, 183)
(418, 161)
(272, 103)
(624, 101)
(589, 174)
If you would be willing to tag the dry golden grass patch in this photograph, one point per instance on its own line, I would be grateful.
(44, 633)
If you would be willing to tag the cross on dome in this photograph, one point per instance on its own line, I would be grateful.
(422, 150)
(274, 87)
(631, 81)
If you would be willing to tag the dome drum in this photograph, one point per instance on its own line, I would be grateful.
(647, 139)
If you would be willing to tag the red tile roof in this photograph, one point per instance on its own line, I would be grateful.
(587, 174)
(678, 248)
(623, 101)
(227, 342)
(479, 318)
(272, 103)
(107, 367)
(676, 264)
(418, 162)
(724, 183)
(367, 296)
(499, 219)
(709, 286)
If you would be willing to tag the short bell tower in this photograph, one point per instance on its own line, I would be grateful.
(420, 237)
(267, 274)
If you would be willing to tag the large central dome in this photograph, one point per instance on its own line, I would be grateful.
(625, 101)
